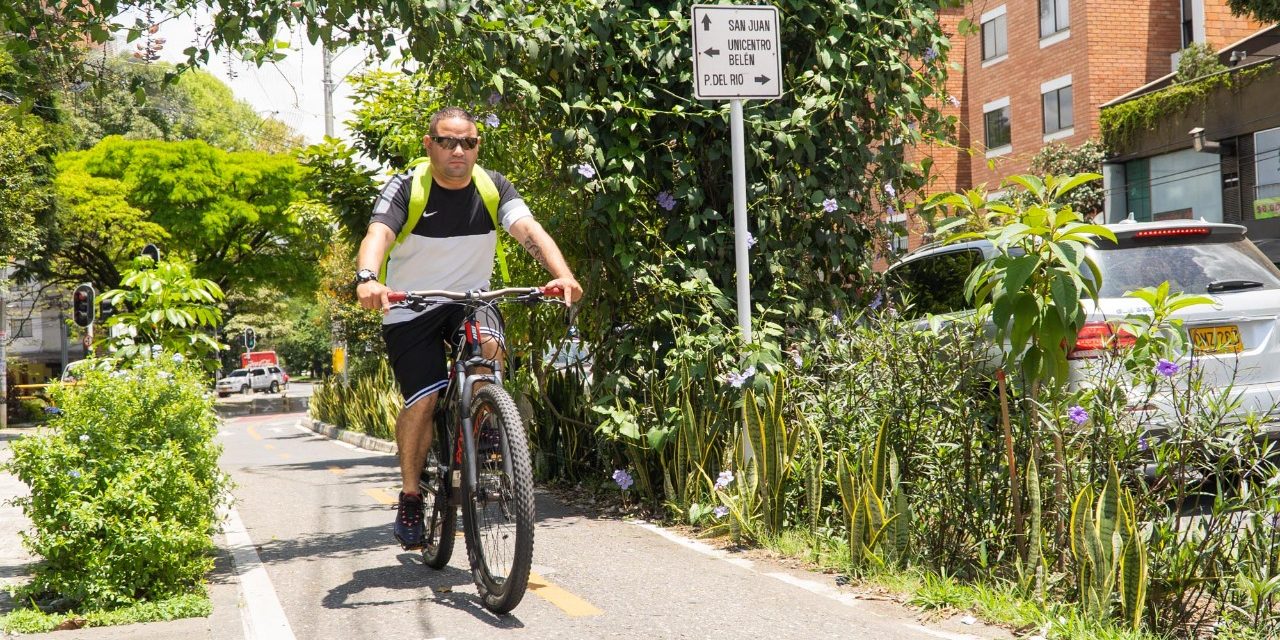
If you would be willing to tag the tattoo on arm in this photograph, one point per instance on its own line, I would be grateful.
(534, 250)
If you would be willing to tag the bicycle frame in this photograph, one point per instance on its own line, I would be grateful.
(474, 357)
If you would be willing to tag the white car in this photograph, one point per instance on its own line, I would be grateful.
(269, 378)
(1236, 340)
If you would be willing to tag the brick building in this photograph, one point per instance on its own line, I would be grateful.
(1038, 71)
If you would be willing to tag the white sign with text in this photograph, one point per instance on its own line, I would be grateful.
(736, 52)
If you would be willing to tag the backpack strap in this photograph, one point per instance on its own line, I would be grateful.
(420, 190)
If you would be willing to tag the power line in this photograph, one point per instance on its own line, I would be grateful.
(1194, 172)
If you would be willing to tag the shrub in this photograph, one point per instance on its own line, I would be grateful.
(124, 487)
(368, 402)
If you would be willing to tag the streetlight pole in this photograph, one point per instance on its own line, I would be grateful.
(4, 340)
(328, 91)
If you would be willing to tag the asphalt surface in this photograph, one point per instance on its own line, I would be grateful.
(308, 553)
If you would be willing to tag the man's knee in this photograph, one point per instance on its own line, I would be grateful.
(420, 412)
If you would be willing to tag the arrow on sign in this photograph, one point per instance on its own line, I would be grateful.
(712, 52)
(762, 79)
(706, 23)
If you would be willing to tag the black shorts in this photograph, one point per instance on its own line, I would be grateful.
(416, 348)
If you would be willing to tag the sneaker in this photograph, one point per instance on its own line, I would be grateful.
(408, 527)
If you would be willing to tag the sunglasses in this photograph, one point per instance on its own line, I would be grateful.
(450, 143)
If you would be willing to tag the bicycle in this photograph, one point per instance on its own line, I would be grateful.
(479, 459)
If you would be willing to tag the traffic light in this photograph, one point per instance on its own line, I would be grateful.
(250, 340)
(153, 252)
(82, 305)
(105, 310)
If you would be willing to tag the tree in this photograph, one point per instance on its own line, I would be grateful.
(1260, 10)
(164, 305)
(26, 187)
(240, 218)
(1058, 159)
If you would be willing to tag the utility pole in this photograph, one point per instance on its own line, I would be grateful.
(4, 339)
(62, 333)
(328, 91)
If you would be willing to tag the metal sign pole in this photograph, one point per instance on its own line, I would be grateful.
(740, 232)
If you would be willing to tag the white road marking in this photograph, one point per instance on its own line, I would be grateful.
(260, 609)
(947, 635)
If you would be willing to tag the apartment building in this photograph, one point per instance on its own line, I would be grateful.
(1038, 71)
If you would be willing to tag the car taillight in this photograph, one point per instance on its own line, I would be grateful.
(1175, 232)
(1096, 338)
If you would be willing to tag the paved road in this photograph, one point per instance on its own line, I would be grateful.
(318, 513)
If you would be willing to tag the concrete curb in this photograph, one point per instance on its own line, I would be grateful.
(361, 440)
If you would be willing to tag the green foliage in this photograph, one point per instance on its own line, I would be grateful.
(1110, 550)
(26, 199)
(1122, 123)
(1058, 159)
(773, 446)
(164, 306)
(367, 403)
(1197, 60)
(124, 488)
(1260, 10)
(347, 184)
(1034, 285)
(187, 605)
(239, 218)
(875, 504)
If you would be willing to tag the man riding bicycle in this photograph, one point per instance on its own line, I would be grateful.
(435, 227)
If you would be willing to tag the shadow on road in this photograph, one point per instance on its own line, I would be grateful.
(411, 574)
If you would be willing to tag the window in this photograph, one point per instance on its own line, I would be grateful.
(1137, 189)
(19, 329)
(995, 34)
(1266, 158)
(1054, 17)
(1057, 109)
(901, 238)
(996, 120)
(935, 283)
(1188, 26)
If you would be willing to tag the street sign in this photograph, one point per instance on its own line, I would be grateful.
(736, 52)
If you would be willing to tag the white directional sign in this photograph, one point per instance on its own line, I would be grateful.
(736, 52)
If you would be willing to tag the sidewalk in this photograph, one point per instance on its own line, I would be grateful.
(224, 624)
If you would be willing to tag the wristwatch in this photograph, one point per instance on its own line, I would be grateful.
(365, 275)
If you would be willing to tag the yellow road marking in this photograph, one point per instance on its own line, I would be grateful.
(381, 496)
(284, 456)
(269, 446)
(337, 471)
(254, 434)
(572, 605)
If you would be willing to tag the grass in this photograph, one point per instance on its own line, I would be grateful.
(191, 605)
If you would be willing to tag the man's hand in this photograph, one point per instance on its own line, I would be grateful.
(572, 290)
(373, 295)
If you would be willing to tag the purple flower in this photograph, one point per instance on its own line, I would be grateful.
(888, 188)
(84, 437)
(53, 411)
(73, 473)
(1078, 415)
(587, 171)
(736, 380)
(666, 200)
(720, 511)
(930, 54)
(724, 479)
(954, 101)
(494, 98)
(751, 240)
(623, 479)
(876, 301)
(1166, 368)
(1142, 444)
(492, 121)
(830, 205)
(890, 210)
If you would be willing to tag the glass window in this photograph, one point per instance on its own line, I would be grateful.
(998, 133)
(1054, 17)
(1188, 30)
(934, 284)
(1188, 265)
(1057, 110)
(19, 328)
(995, 38)
(1266, 158)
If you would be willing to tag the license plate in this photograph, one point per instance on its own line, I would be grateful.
(1210, 340)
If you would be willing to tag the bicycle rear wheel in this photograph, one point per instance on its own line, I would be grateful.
(442, 521)
(498, 512)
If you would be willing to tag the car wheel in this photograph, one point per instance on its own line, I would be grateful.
(244, 390)
(221, 394)
(275, 387)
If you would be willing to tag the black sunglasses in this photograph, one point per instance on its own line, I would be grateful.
(450, 143)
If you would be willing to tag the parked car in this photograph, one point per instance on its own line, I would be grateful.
(270, 379)
(1236, 340)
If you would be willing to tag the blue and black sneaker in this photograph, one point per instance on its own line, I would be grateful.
(409, 530)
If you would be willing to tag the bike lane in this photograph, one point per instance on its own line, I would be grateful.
(319, 512)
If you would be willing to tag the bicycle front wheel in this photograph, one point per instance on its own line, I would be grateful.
(498, 512)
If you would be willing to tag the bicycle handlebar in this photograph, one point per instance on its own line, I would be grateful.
(482, 296)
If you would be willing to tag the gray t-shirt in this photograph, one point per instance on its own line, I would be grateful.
(453, 245)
